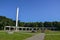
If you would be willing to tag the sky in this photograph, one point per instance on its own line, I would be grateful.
(31, 10)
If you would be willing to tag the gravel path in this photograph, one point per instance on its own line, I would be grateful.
(37, 37)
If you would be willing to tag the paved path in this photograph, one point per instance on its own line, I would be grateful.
(37, 37)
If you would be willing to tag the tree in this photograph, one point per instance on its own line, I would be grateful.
(48, 24)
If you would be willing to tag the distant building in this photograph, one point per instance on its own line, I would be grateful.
(28, 29)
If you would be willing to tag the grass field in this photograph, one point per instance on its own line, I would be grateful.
(14, 36)
(52, 35)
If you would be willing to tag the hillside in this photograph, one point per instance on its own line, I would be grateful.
(4, 21)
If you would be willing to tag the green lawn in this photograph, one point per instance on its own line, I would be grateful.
(52, 36)
(53, 32)
(14, 36)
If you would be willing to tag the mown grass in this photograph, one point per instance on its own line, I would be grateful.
(14, 36)
(52, 37)
(55, 36)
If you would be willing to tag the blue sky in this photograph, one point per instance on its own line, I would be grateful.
(31, 10)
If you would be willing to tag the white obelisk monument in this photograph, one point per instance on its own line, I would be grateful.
(17, 18)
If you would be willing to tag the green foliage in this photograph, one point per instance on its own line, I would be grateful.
(48, 24)
(4, 21)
